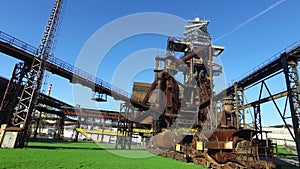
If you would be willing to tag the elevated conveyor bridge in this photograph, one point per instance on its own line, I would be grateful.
(19, 49)
(269, 67)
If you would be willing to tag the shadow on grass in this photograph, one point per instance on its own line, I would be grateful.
(53, 147)
(52, 144)
(285, 164)
(50, 147)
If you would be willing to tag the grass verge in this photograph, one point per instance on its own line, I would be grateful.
(83, 155)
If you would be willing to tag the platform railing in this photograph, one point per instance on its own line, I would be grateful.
(6, 38)
(288, 49)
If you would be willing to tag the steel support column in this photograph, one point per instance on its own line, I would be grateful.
(11, 94)
(257, 113)
(103, 127)
(78, 125)
(118, 128)
(239, 105)
(257, 120)
(293, 89)
(61, 127)
(125, 126)
(9, 102)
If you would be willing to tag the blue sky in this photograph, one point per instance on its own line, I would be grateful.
(251, 32)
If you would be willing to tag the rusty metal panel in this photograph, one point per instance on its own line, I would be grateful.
(219, 145)
(140, 90)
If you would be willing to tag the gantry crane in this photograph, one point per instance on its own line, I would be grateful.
(19, 103)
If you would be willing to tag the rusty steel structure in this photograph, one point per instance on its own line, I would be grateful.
(230, 144)
(219, 141)
(183, 116)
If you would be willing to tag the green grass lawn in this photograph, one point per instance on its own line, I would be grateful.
(285, 153)
(282, 151)
(84, 155)
(91, 155)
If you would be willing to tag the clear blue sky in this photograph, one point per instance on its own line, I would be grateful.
(251, 32)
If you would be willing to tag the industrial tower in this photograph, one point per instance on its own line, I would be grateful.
(19, 103)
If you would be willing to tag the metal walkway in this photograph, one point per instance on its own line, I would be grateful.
(25, 52)
(60, 108)
(265, 69)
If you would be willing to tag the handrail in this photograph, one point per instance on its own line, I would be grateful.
(288, 49)
(17, 43)
(4, 37)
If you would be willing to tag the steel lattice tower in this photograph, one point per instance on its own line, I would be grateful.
(32, 79)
